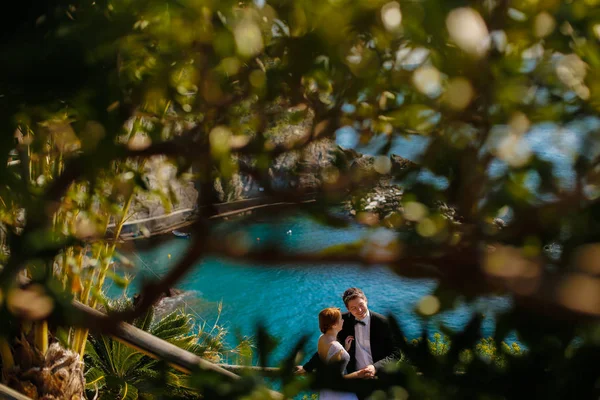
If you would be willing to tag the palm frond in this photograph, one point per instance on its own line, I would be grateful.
(184, 342)
(173, 325)
(145, 321)
(96, 354)
(129, 374)
(130, 361)
(120, 389)
(128, 392)
(94, 379)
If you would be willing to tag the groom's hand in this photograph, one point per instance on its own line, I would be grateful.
(299, 370)
(369, 371)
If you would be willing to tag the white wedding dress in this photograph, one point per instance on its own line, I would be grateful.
(324, 394)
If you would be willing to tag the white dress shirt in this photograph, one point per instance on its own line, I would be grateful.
(362, 337)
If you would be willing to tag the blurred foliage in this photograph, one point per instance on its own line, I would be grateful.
(92, 91)
(485, 349)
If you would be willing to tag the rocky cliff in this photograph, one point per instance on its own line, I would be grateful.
(172, 198)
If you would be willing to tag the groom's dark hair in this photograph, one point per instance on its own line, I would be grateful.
(351, 294)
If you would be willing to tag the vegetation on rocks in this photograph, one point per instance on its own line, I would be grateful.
(115, 370)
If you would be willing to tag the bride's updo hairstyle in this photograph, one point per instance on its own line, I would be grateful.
(328, 317)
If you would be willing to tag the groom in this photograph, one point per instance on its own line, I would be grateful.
(372, 344)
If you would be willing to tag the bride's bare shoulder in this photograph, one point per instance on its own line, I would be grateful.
(322, 341)
(322, 346)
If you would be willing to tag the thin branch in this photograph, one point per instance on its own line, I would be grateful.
(411, 266)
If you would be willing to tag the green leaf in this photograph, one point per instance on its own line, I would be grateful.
(94, 379)
(124, 390)
(417, 117)
(265, 344)
(173, 325)
(145, 321)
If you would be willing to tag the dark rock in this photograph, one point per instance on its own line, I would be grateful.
(401, 165)
(172, 292)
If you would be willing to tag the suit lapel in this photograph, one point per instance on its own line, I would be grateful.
(351, 332)
(373, 335)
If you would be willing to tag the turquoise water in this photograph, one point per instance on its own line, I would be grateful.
(287, 299)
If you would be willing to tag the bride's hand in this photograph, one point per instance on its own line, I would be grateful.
(348, 342)
(361, 373)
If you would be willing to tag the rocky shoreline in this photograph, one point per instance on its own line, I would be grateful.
(172, 199)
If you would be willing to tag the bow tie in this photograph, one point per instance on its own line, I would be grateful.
(359, 322)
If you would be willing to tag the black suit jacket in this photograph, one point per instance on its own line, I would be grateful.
(383, 345)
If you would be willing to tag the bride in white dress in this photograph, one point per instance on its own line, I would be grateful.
(331, 351)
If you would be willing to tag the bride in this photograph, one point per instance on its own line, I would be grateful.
(331, 351)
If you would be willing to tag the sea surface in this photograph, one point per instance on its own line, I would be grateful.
(286, 299)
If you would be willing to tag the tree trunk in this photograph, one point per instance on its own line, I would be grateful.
(56, 376)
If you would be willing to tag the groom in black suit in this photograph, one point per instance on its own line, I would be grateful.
(372, 343)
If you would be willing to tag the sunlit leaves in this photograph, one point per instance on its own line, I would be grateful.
(427, 80)
(571, 70)
(382, 165)
(513, 150)
(544, 24)
(362, 61)
(185, 81)
(459, 93)
(580, 292)
(31, 303)
(248, 38)
(415, 211)
(417, 117)
(391, 15)
(85, 228)
(381, 246)
(61, 134)
(468, 30)
(219, 140)
(428, 305)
